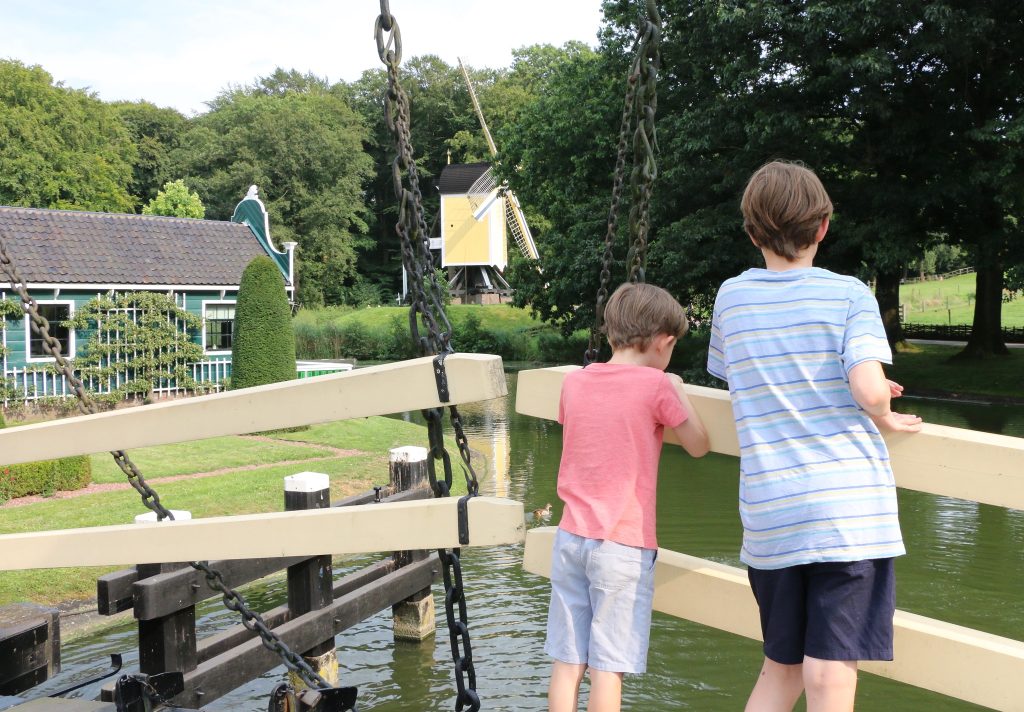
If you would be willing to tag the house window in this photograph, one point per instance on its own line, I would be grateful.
(220, 323)
(55, 313)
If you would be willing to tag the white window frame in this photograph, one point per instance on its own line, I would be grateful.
(70, 346)
(216, 302)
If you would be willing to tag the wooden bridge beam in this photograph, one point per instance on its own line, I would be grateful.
(949, 659)
(376, 390)
(953, 462)
(426, 524)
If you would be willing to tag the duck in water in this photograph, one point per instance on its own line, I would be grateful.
(542, 514)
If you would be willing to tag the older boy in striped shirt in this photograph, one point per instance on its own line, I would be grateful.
(802, 349)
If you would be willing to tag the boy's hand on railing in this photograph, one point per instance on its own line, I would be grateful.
(897, 422)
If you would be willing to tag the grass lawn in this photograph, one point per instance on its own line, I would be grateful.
(246, 491)
(202, 456)
(950, 301)
(503, 316)
(928, 368)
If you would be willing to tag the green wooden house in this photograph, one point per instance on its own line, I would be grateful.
(67, 258)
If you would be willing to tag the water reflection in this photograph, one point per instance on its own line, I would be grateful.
(965, 565)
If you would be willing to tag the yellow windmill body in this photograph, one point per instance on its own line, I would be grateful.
(478, 216)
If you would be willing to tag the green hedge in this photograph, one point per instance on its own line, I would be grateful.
(44, 477)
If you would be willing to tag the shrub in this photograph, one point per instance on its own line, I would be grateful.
(44, 477)
(400, 345)
(555, 348)
(356, 341)
(263, 342)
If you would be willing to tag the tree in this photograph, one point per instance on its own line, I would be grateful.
(8, 310)
(176, 200)
(263, 342)
(156, 132)
(912, 124)
(60, 147)
(140, 340)
(304, 149)
(563, 147)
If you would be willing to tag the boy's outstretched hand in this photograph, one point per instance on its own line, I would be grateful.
(897, 422)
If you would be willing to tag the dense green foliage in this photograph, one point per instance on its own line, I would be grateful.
(382, 333)
(910, 112)
(140, 340)
(44, 477)
(263, 343)
(156, 132)
(176, 200)
(60, 147)
(301, 143)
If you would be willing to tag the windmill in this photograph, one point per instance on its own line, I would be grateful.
(477, 216)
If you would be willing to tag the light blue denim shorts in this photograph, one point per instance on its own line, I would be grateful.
(601, 595)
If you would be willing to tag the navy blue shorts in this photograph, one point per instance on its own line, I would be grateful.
(830, 611)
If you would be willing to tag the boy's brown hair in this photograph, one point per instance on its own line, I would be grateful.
(636, 313)
(783, 206)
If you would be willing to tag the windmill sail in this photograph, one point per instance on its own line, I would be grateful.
(485, 190)
(518, 227)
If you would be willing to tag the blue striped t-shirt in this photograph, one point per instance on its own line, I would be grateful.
(815, 479)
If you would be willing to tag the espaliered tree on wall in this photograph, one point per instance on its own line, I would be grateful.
(137, 341)
(263, 342)
(8, 310)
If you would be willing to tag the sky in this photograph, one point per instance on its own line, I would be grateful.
(182, 53)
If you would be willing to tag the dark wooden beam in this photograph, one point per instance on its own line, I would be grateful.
(223, 673)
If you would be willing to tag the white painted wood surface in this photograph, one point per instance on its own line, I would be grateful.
(941, 460)
(376, 390)
(422, 524)
(952, 660)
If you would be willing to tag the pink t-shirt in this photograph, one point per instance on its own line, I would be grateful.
(614, 416)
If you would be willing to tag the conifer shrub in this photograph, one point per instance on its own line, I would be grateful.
(263, 342)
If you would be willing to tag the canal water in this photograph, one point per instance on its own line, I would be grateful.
(965, 565)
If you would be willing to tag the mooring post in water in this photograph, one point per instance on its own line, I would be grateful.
(310, 584)
(413, 617)
(166, 643)
(29, 646)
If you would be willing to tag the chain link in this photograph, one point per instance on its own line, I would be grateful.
(232, 600)
(86, 406)
(427, 304)
(642, 100)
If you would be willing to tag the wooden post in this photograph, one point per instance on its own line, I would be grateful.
(166, 643)
(413, 617)
(310, 585)
(29, 646)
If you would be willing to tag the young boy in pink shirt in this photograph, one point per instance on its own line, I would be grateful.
(602, 574)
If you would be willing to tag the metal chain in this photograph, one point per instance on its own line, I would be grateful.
(643, 103)
(427, 303)
(645, 167)
(232, 600)
(85, 403)
(252, 620)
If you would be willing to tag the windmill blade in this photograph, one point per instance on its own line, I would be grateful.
(518, 227)
(481, 191)
(483, 205)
